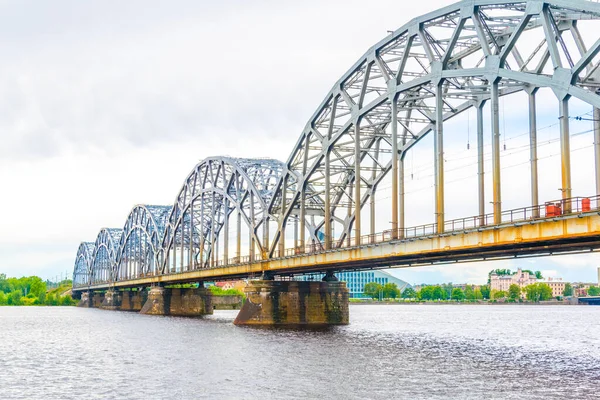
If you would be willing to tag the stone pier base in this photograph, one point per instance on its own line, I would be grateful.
(295, 303)
(157, 302)
(132, 301)
(97, 300)
(112, 300)
(86, 300)
(189, 302)
(126, 301)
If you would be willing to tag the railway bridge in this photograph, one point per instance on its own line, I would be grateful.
(339, 202)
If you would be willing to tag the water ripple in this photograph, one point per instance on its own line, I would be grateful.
(416, 352)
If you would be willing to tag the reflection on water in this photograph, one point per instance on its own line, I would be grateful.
(402, 351)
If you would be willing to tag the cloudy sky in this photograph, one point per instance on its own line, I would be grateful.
(107, 104)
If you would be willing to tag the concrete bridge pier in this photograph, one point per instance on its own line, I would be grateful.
(133, 300)
(158, 301)
(295, 303)
(126, 301)
(86, 300)
(97, 299)
(185, 302)
(112, 300)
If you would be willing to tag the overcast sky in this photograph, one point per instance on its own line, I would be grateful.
(108, 104)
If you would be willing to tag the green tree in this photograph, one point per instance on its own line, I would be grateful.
(485, 291)
(14, 298)
(372, 289)
(391, 291)
(469, 293)
(498, 272)
(409, 293)
(501, 272)
(3, 284)
(458, 294)
(51, 300)
(514, 291)
(426, 293)
(593, 291)
(38, 288)
(3, 299)
(500, 294)
(438, 293)
(568, 289)
(538, 292)
(538, 275)
(448, 288)
(65, 301)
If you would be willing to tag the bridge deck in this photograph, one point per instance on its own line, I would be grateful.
(564, 234)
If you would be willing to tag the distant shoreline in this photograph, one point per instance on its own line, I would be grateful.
(435, 303)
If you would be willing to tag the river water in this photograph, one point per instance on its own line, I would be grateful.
(388, 352)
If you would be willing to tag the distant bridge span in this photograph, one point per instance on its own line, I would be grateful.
(322, 209)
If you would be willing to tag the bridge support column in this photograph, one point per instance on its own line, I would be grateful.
(97, 299)
(181, 302)
(190, 302)
(126, 301)
(131, 301)
(112, 300)
(138, 299)
(158, 301)
(294, 303)
(86, 300)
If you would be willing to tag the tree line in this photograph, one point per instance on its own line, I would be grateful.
(534, 292)
(432, 292)
(33, 291)
(447, 291)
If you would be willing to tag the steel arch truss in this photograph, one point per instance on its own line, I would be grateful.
(218, 190)
(405, 87)
(82, 272)
(104, 258)
(140, 243)
(408, 85)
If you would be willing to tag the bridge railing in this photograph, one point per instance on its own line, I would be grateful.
(553, 209)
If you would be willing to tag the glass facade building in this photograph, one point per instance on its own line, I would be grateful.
(356, 280)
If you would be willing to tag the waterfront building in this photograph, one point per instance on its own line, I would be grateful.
(520, 278)
(556, 284)
(356, 280)
(580, 289)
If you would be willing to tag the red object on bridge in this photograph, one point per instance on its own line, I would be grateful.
(585, 205)
(553, 209)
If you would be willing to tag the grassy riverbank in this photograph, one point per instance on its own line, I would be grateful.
(33, 291)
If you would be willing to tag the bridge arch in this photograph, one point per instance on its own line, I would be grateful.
(104, 257)
(406, 86)
(217, 190)
(82, 272)
(140, 244)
